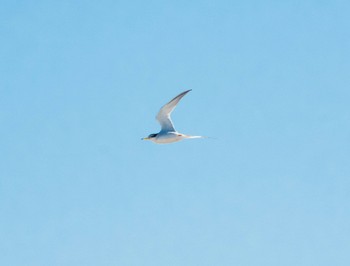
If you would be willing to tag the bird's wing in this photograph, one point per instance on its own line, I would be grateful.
(163, 115)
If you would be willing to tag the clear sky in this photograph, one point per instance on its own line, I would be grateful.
(81, 83)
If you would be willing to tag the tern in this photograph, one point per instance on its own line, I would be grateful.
(168, 133)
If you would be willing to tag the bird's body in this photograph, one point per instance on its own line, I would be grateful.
(168, 134)
(167, 137)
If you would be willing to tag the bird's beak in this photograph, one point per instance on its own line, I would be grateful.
(147, 138)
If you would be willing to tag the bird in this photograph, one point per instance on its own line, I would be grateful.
(168, 133)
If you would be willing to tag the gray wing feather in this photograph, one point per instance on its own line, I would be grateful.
(164, 113)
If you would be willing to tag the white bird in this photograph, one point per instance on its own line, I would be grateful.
(168, 133)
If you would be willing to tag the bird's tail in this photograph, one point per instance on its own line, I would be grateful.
(197, 137)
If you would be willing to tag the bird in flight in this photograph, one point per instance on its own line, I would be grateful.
(168, 133)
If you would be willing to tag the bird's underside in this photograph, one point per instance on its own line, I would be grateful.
(170, 137)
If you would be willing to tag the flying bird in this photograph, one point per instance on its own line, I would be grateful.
(168, 133)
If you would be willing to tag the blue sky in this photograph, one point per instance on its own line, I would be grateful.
(81, 83)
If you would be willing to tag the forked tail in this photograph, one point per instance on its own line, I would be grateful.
(196, 137)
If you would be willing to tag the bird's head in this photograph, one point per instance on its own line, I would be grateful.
(150, 137)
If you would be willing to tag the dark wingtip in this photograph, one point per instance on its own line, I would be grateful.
(186, 91)
(182, 94)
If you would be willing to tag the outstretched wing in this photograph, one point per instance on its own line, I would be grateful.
(164, 113)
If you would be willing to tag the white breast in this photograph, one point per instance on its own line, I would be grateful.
(169, 137)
